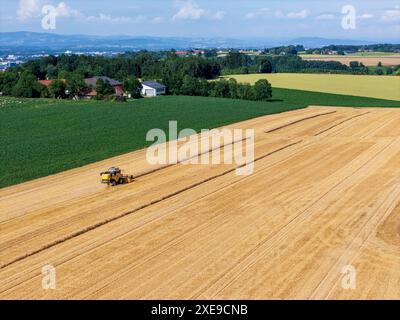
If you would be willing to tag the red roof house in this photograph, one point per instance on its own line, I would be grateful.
(46, 83)
(91, 84)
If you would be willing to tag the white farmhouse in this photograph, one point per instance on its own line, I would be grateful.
(153, 89)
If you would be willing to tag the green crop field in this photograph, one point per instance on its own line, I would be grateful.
(382, 87)
(40, 137)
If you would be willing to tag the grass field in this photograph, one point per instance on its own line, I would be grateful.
(42, 137)
(383, 87)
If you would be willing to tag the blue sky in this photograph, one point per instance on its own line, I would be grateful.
(376, 20)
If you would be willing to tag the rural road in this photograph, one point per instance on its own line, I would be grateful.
(325, 193)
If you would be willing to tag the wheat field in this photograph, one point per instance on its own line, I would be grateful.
(369, 60)
(383, 87)
(325, 194)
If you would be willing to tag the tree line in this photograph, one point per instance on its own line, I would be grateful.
(369, 47)
(181, 75)
(238, 63)
(177, 73)
(223, 88)
(69, 72)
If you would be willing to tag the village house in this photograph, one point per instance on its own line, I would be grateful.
(47, 83)
(91, 84)
(149, 88)
(153, 89)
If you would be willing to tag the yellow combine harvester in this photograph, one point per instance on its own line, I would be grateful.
(114, 176)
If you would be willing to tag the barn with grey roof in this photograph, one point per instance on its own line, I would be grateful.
(153, 89)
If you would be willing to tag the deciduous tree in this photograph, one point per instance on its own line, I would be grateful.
(133, 87)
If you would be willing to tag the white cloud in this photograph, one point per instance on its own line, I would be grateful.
(326, 16)
(112, 19)
(332, 16)
(157, 20)
(263, 12)
(366, 16)
(292, 15)
(392, 14)
(28, 9)
(219, 15)
(298, 15)
(190, 10)
(62, 10)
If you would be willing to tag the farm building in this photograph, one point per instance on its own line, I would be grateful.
(45, 83)
(152, 89)
(48, 82)
(91, 86)
(91, 83)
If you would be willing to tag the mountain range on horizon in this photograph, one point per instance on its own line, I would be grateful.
(57, 42)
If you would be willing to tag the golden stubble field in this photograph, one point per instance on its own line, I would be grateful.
(369, 61)
(381, 87)
(325, 194)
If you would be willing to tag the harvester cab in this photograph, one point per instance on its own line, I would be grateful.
(114, 176)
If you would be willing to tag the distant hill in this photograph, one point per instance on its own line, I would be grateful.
(315, 42)
(86, 42)
(49, 42)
